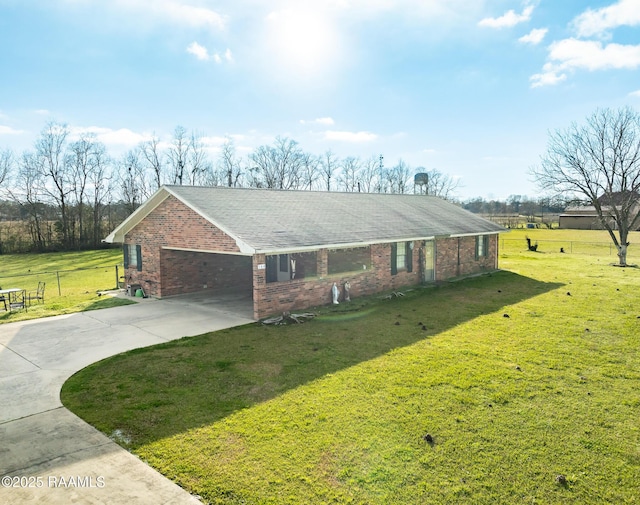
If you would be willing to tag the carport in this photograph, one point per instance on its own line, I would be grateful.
(191, 271)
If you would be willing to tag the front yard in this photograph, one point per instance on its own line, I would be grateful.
(526, 381)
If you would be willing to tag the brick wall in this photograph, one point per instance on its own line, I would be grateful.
(457, 257)
(173, 224)
(168, 272)
(296, 294)
(189, 272)
(275, 297)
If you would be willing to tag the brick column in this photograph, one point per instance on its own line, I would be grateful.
(259, 282)
(323, 263)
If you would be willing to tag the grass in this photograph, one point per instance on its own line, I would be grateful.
(80, 275)
(335, 410)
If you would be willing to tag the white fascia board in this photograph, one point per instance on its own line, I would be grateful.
(207, 251)
(477, 234)
(288, 250)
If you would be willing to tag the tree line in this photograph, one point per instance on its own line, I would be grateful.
(68, 192)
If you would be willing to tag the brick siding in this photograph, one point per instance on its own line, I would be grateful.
(167, 271)
(272, 298)
(173, 224)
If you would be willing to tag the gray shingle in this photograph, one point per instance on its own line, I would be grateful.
(273, 220)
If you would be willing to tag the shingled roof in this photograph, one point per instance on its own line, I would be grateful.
(272, 221)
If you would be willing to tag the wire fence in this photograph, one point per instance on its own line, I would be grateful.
(563, 246)
(67, 282)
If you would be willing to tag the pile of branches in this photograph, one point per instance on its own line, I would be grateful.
(287, 318)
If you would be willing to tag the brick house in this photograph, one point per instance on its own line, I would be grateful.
(287, 248)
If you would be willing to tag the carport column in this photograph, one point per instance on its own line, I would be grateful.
(259, 282)
(323, 263)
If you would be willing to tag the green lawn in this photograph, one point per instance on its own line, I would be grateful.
(335, 410)
(72, 281)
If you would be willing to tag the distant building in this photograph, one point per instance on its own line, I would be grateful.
(585, 217)
(581, 218)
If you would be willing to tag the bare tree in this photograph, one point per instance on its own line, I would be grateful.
(131, 176)
(398, 177)
(81, 162)
(370, 175)
(198, 161)
(310, 164)
(150, 150)
(436, 183)
(328, 165)
(349, 175)
(278, 166)
(28, 192)
(99, 179)
(177, 155)
(229, 164)
(50, 149)
(6, 164)
(599, 161)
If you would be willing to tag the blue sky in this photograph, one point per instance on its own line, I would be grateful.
(470, 88)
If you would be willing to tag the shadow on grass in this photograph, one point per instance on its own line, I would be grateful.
(151, 393)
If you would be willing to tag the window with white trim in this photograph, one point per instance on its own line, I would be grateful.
(481, 246)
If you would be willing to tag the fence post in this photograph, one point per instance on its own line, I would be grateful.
(58, 276)
(117, 278)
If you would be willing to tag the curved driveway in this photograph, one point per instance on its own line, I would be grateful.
(50, 456)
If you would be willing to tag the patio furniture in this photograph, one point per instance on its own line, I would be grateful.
(16, 298)
(3, 300)
(37, 295)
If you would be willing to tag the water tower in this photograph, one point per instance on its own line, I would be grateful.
(421, 182)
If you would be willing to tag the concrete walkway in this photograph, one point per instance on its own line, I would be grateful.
(50, 456)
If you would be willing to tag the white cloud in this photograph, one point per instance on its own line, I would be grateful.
(507, 20)
(7, 130)
(592, 55)
(343, 136)
(571, 54)
(177, 12)
(42, 112)
(635, 93)
(320, 120)
(202, 53)
(198, 51)
(548, 78)
(534, 37)
(121, 137)
(598, 21)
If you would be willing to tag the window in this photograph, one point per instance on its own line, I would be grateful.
(285, 267)
(133, 256)
(481, 246)
(272, 268)
(354, 259)
(401, 257)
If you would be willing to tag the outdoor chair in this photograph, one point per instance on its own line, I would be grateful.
(37, 295)
(3, 300)
(17, 300)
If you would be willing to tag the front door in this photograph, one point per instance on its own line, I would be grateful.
(284, 268)
(429, 261)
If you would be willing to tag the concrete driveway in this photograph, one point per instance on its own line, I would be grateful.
(50, 456)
